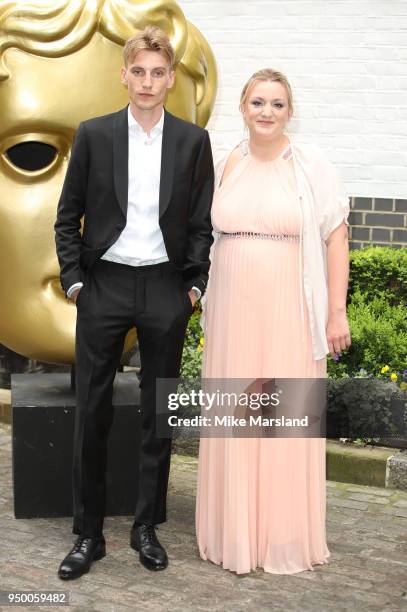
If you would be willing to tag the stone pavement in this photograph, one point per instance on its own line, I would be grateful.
(367, 538)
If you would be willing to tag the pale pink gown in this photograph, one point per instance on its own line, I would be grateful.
(261, 502)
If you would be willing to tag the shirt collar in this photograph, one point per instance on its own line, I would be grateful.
(134, 125)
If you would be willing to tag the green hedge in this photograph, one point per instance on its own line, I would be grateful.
(379, 270)
(192, 356)
(365, 408)
(379, 338)
(377, 301)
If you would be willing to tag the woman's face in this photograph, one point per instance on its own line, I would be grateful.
(266, 110)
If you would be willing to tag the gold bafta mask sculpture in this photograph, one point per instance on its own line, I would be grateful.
(60, 64)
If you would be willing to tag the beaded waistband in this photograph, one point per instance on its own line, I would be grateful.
(285, 237)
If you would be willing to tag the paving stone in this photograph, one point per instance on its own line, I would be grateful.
(331, 484)
(334, 493)
(396, 512)
(370, 490)
(348, 503)
(401, 504)
(367, 539)
(369, 498)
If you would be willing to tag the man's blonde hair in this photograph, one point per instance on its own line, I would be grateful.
(268, 74)
(150, 39)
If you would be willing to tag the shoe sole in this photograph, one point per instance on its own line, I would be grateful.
(153, 568)
(99, 555)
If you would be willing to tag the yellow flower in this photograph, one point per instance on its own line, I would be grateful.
(201, 341)
(393, 377)
(199, 348)
(384, 369)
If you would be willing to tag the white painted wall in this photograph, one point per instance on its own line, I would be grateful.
(347, 64)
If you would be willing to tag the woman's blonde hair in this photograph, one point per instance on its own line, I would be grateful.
(268, 74)
(151, 39)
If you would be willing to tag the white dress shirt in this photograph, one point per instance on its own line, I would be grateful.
(141, 242)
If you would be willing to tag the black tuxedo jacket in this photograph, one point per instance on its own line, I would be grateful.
(96, 187)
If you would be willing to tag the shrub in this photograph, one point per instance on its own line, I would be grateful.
(379, 337)
(191, 364)
(379, 270)
(365, 407)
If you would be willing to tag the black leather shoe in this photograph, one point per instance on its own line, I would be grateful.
(152, 554)
(79, 559)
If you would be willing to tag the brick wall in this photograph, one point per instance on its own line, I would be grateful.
(378, 222)
(347, 64)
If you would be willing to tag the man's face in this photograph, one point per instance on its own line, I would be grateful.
(147, 77)
(43, 101)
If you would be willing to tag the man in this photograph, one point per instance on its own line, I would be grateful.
(143, 179)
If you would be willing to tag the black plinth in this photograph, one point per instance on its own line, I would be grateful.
(43, 410)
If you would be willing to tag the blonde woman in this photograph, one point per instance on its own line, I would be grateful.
(275, 306)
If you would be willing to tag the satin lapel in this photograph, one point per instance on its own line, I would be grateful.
(121, 158)
(167, 161)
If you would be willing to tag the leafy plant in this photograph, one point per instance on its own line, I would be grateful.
(379, 270)
(360, 408)
(191, 364)
(379, 336)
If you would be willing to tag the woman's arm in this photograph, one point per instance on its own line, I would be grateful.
(337, 329)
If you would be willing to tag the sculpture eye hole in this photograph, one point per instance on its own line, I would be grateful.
(31, 156)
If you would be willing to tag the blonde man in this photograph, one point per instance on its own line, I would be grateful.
(143, 179)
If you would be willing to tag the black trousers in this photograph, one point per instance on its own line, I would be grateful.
(114, 298)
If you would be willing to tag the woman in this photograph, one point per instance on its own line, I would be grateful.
(271, 311)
